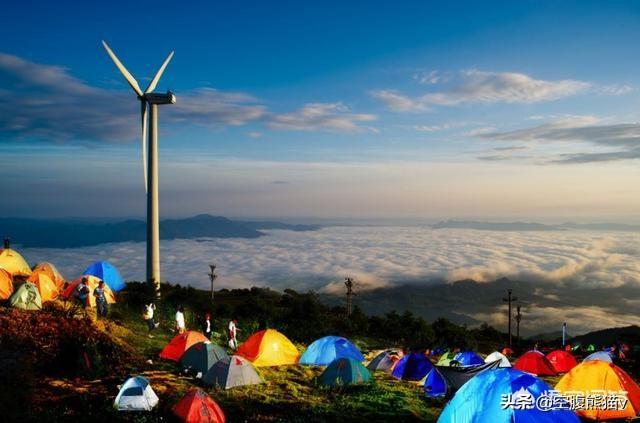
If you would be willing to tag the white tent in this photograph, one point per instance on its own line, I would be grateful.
(495, 356)
(136, 395)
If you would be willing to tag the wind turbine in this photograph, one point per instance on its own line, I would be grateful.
(149, 101)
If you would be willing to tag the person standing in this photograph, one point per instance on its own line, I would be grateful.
(180, 326)
(82, 293)
(233, 329)
(148, 317)
(206, 326)
(101, 300)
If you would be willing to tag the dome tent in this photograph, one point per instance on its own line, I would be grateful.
(480, 400)
(92, 283)
(435, 385)
(201, 356)
(180, 343)
(108, 273)
(536, 363)
(468, 358)
(51, 271)
(198, 407)
(26, 297)
(136, 395)
(269, 348)
(6, 284)
(498, 356)
(14, 263)
(599, 355)
(230, 372)
(414, 366)
(445, 359)
(344, 371)
(591, 376)
(562, 361)
(384, 361)
(46, 286)
(325, 350)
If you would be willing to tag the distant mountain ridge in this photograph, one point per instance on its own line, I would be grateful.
(532, 226)
(79, 233)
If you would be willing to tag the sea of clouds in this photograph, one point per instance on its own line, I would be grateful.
(556, 263)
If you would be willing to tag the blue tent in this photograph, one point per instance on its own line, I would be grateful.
(108, 273)
(481, 400)
(468, 358)
(344, 371)
(599, 355)
(434, 384)
(414, 366)
(325, 350)
(136, 395)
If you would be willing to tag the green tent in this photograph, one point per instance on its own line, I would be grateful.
(201, 356)
(344, 371)
(446, 359)
(591, 348)
(26, 297)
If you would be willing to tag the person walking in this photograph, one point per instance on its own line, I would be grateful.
(102, 307)
(148, 317)
(233, 330)
(207, 328)
(180, 326)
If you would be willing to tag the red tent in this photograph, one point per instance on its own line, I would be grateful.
(197, 407)
(507, 351)
(536, 363)
(181, 343)
(562, 361)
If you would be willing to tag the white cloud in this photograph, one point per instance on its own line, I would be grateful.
(322, 116)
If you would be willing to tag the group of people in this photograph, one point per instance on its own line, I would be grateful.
(180, 325)
(82, 292)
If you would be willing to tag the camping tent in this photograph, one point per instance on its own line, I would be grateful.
(26, 297)
(230, 372)
(498, 356)
(562, 361)
(468, 358)
(481, 399)
(198, 407)
(108, 273)
(445, 359)
(414, 366)
(507, 351)
(591, 348)
(92, 283)
(269, 348)
(323, 351)
(201, 356)
(599, 355)
(136, 395)
(6, 284)
(180, 344)
(536, 363)
(51, 271)
(435, 386)
(344, 371)
(384, 361)
(456, 376)
(14, 263)
(593, 376)
(46, 286)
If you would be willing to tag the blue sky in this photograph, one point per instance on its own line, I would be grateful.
(327, 110)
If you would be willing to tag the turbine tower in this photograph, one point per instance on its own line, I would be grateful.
(149, 102)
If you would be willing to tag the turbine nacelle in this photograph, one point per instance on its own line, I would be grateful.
(160, 98)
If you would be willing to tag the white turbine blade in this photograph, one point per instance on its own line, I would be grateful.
(154, 81)
(130, 79)
(143, 116)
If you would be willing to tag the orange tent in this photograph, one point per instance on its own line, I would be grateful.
(562, 361)
(599, 375)
(181, 343)
(198, 407)
(6, 284)
(51, 271)
(269, 348)
(14, 263)
(92, 283)
(536, 363)
(47, 288)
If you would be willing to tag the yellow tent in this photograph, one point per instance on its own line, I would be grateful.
(13, 263)
(269, 348)
(47, 287)
(51, 271)
(6, 284)
(599, 376)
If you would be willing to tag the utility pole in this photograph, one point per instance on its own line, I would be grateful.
(510, 299)
(348, 282)
(212, 277)
(564, 333)
(518, 318)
